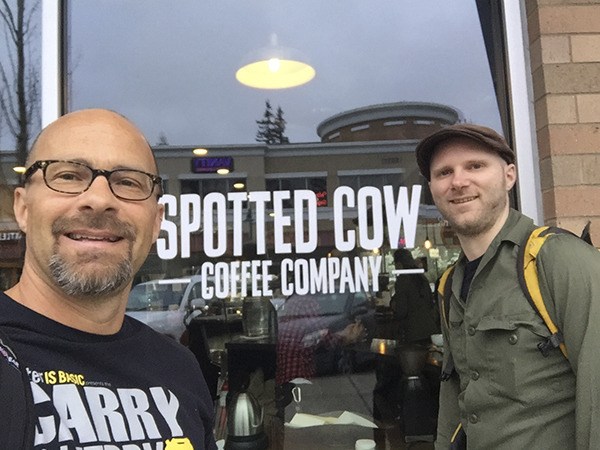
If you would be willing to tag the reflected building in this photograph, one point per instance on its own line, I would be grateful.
(389, 121)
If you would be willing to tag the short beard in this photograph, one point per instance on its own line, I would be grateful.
(482, 224)
(474, 229)
(99, 284)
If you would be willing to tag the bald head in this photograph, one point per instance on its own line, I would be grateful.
(86, 129)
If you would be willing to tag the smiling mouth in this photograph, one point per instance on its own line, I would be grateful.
(83, 237)
(462, 200)
(94, 228)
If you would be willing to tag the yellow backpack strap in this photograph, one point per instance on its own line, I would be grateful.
(444, 291)
(458, 441)
(529, 281)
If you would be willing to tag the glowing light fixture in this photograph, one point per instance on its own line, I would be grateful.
(20, 169)
(200, 151)
(427, 244)
(223, 171)
(239, 185)
(275, 67)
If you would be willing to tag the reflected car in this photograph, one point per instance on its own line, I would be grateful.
(163, 304)
(306, 324)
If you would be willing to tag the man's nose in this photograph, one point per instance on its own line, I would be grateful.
(460, 178)
(99, 195)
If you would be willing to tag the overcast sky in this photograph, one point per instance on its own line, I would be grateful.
(170, 66)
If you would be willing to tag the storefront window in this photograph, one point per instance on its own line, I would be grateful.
(289, 250)
(19, 120)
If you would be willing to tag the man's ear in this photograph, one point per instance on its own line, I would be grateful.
(160, 212)
(20, 208)
(510, 174)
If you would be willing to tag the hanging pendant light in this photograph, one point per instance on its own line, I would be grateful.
(427, 244)
(275, 67)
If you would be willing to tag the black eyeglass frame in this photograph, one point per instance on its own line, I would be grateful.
(43, 165)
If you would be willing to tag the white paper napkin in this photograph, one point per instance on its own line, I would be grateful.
(301, 420)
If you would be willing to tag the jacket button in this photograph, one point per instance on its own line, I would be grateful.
(513, 339)
(473, 418)
(474, 375)
(471, 330)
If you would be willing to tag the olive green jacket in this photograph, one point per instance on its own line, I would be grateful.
(504, 392)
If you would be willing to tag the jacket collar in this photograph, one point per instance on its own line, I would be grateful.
(514, 230)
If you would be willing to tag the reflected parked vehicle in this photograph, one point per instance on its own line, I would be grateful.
(163, 304)
(307, 342)
(166, 305)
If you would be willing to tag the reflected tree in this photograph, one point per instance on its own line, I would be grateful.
(271, 128)
(162, 139)
(19, 77)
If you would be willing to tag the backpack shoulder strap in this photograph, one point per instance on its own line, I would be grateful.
(444, 291)
(16, 405)
(529, 282)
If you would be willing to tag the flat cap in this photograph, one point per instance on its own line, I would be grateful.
(484, 135)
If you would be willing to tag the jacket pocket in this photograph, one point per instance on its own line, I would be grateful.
(509, 348)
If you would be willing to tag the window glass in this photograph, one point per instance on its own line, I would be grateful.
(293, 270)
(207, 185)
(318, 185)
(19, 119)
(379, 180)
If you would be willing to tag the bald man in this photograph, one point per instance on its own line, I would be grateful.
(99, 379)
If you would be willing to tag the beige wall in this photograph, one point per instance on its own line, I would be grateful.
(564, 40)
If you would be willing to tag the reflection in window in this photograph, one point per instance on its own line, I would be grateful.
(412, 68)
(318, 185)
(358, 180)
(427, 51)
(207, 185)
(20, 99)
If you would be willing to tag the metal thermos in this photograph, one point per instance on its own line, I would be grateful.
(245, 424)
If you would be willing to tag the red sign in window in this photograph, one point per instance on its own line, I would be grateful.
(321, 198)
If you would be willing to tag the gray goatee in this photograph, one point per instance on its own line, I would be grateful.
(77, 284)
(80, 283)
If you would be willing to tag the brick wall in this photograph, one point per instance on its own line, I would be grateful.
(564, 38)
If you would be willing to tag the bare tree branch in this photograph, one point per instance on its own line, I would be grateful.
(9, 20)
(19, 101)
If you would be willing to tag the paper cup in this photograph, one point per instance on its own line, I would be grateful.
(364, 444)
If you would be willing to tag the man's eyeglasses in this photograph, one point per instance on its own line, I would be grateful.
(70, 177)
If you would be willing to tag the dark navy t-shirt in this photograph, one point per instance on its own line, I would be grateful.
(132, 390)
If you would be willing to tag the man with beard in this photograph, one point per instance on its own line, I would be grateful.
(503, 392)
(98, 379)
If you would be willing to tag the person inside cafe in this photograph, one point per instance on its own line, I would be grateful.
(299, 341)
(413, 324)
